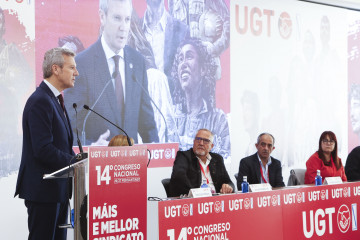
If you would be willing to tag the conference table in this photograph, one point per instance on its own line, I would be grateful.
(299, 212)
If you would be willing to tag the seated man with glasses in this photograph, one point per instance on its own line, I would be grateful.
(196, 165)
(261, 167)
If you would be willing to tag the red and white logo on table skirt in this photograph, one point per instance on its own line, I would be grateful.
(299, 197)
(275, 200)
(323, 195)
(247, 203)
(343, 218)
(219, 206)
(346, 192)
(185, 210)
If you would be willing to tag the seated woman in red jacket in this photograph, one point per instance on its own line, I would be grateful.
(325, 159)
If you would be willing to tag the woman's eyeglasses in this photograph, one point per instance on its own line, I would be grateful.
(331, 142)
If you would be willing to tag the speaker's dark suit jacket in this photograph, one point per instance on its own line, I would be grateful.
(93, 77)
(187, 174)
(47, 147)
(250, 167)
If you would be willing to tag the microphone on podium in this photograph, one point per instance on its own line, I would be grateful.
(77, 132)
(127, 137)
(81, 155)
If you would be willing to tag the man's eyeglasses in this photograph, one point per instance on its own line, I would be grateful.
(205, 140)
(325, 141)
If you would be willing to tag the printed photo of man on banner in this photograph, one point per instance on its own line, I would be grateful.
(155, 30)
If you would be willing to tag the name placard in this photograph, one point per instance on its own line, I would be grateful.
(199, 192)
(332, 180)
(261, 187)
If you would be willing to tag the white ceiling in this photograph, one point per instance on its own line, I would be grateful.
(351, 4)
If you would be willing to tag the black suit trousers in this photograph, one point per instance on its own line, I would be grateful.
(44, 220)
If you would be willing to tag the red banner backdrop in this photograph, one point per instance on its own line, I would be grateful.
(162, 154)
(325, 212)
(117, 192)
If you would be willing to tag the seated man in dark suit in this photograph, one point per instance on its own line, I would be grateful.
(261, 167)
(196, 165)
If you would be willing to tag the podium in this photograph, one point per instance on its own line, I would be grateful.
(77, 171)
(115, 180)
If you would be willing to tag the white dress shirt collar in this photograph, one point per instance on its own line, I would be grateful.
(207, 175)
(52, 88)
(268, 162)
(108, 52)
(265, 169)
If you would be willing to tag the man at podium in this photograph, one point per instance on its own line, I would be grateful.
(47, 147)
(197, 165)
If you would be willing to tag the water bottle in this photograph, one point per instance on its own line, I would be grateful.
(245, 185)
(318, 178)
(72, 217)
(204, 184)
